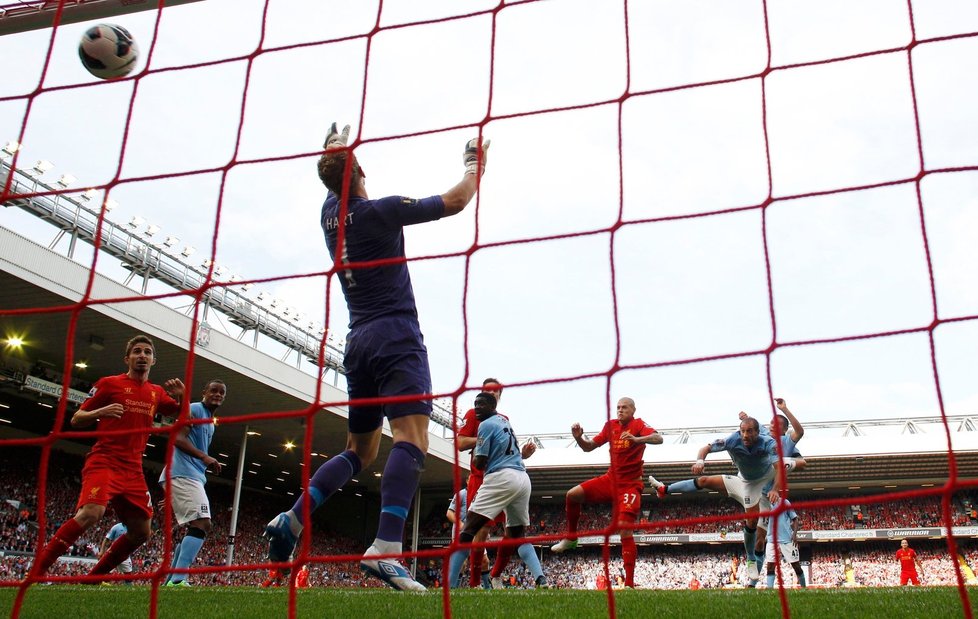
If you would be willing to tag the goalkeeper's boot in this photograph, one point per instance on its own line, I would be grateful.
(389, 570)
(281, 538)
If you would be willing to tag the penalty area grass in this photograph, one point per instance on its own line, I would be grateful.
(128, 602)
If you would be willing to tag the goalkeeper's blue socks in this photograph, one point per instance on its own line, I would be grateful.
(401, 475)
(328, 478)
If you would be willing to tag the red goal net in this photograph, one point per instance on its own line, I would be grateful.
(704, 206)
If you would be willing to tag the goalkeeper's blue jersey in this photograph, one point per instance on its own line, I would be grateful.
(374, 230)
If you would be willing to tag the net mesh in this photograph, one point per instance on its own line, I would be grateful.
(766, 77)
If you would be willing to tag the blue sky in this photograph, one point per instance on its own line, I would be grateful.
(841, 264)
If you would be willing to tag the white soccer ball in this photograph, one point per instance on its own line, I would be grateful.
(108, 51)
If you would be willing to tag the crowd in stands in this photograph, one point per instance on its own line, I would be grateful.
(667, 567)
(663, 516)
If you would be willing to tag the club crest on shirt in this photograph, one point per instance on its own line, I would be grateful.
(91, 392)
(94, 492)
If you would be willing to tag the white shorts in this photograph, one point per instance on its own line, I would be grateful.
(125, 567)
(748, 493)
(789, 552)
(189, 500)
(505, 490)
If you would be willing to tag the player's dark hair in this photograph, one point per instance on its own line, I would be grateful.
(139, 339)
(483, 395)
(213, 381)
(332, 168)
(750, 421)
(493, 381)
(784, 423)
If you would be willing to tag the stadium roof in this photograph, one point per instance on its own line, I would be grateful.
(31, 276)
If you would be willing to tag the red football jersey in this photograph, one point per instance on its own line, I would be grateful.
(141, 401)
(470, 428)
(626, 456)
(907, 557)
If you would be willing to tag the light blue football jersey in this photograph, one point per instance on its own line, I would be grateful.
(498, 442)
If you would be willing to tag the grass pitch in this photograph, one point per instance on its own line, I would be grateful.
(68, 601)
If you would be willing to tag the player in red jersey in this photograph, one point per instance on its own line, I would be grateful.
(621, 485)
(113, 471)
(468, 431)
(908, 564)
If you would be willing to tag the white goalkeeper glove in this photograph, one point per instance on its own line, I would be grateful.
(335, 138)
(471, 158)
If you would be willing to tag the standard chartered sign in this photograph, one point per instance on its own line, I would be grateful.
(53, 389)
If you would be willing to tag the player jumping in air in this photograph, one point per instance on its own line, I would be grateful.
(385, 351)
(113, 472)
(754, 455)
(621, 485)
(188, 472)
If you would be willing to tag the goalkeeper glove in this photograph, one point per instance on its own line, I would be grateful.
(471, 156)
(335, 138)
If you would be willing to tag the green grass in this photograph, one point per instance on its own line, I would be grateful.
(70, 601)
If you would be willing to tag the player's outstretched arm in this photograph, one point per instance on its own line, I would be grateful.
(797, 430)
(700, 465)
(474, 158)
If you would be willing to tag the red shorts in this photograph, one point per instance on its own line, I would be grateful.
(471, 489)
(121, 486)
(909, 576)
(627, 500)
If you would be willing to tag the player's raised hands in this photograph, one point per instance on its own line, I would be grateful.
(337, 139)
(474, 164)
(780, 403)
(174, 387)
(577, 431)
(528, 449)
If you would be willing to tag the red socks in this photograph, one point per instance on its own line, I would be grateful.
(117, 553)
(57, 546)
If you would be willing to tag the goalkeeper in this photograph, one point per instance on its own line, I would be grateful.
(385, 352)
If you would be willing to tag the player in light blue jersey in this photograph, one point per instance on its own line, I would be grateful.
(385, 353)
(505, 488)
(789, 429)
(754, 454)
(785, 531)
(188, 476)
(117, 531)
